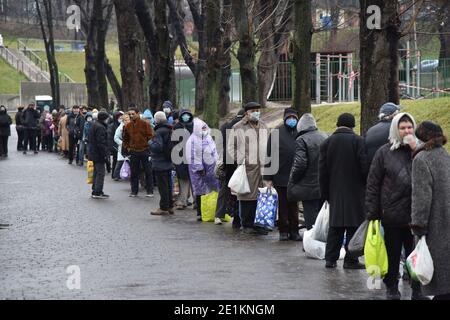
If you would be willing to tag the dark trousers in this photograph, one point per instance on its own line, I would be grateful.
(29, 139)
(116, 173)
(114, 163)
(222, 199)
(287, 212)
(4, 145)
(335, 240)
(311, 209)
(198, 203)
(163, 182)
(139, 160)
(247, 211)
(38, 138)
(48, 143)
(20, 137)
(99, 178)
(73, 147)
(395, 239)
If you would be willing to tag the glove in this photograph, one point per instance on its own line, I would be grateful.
(418, 231)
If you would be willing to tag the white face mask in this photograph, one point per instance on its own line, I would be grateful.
(255, 115)
(204, 134)
(120, 120)
(166, 110)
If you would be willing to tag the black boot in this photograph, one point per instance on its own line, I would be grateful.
(284, 236)
(352, 263)
(417, 291)
(392, 293)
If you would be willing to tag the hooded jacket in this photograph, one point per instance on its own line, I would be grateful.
(149, 116)
(202, 156)
(161, 148)
(98, 143)
(388, 194)
(188, 127)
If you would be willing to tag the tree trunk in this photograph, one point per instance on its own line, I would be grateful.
(444, 31)
(130, 64)
(225, 60)
(102, 21)
(213, 78)
(166, 71)
(379, 61)
(198, 15)
(115, 85)
(247, 51)
(301, 82)
(334, 8)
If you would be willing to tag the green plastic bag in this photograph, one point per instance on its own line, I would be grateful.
(375, 253)
(208, 207)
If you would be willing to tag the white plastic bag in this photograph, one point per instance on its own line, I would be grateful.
(320, 229)
(316, 249)
(239, 182)
(420, 263)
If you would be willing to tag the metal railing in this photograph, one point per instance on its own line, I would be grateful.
(22, 66)
(40, 63)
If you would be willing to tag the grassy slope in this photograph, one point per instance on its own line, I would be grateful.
(9, 79)
(437, 110)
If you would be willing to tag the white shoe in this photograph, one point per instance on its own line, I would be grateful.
(217, 221)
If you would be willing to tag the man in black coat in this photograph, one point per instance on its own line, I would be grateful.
(378, 135)
(304, 177)
(160, 151)
(184, 127)
(30, 116)
(19, 128)
(287, 210)
(226, 202)
(98, 152)
(342, 177)
(75, 126)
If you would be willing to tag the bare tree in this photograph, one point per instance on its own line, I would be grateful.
(47, 35)
(302, 56)
(130, 56)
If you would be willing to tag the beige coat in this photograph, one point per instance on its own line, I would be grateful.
(254, 153)
(63, 141)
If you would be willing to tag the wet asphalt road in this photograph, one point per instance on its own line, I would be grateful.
(125, 253)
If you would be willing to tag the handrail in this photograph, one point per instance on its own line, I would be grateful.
(22, 66)
(63, 77)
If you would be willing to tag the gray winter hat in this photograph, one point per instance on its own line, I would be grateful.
(306, 121)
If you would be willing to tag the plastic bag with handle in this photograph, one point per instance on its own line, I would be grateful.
(239, 182)
(320, 229)
(420, 264)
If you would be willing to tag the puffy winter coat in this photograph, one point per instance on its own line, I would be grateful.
(304, 176)
(376, 137)
(98, 142)
(187, 127)
(30, 118)
(5, 123)
(161, 148)
(388, 195)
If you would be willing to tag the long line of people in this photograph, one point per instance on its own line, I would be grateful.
(397, 173)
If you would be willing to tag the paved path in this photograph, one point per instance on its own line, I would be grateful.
(124, 253)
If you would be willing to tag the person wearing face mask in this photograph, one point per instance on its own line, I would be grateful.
(303, 182)
(167, 108)
(202, 156)
(98, 153)
(75, 125)
(19, 128)
(287, 210)
(250, 152)
(5, 131)
(184, 126)
(388, 198)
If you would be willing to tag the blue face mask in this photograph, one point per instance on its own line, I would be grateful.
(255, 115)
(185, 117)
(291, 122)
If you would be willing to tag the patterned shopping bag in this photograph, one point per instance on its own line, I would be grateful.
(266, 209)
